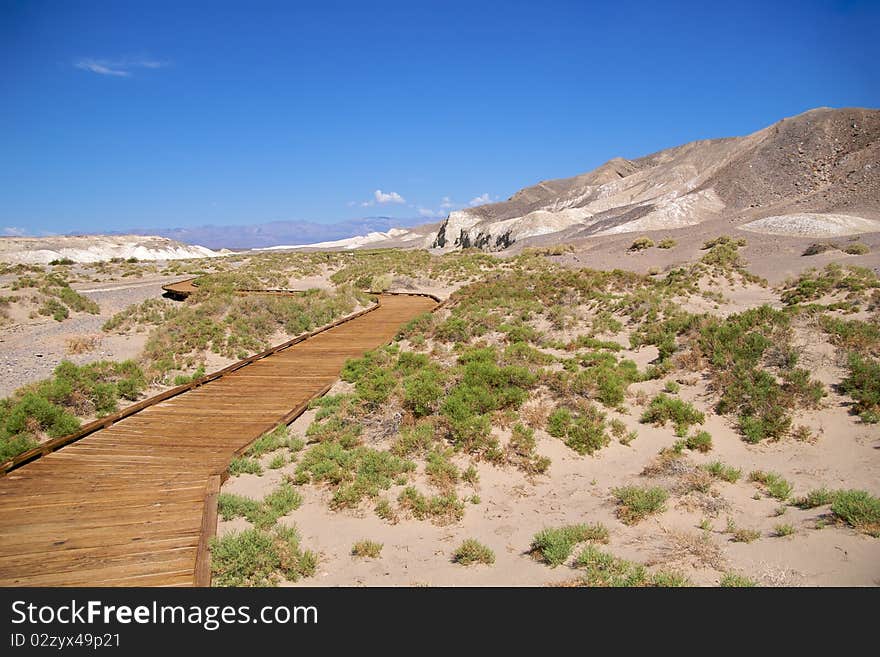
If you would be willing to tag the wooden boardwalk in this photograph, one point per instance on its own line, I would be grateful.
(134, 504)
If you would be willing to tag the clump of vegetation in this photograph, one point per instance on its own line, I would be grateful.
(773, 483)
(853, 335)
(260, 558)
(819, 247)
(522, 451)
(355, 472)
(742, 535)
(863, 385)
(482, 387)
(55, 296)
(385, 511)
(736, 349)
(583, 430)
(672, 387)
(723, 252)
(554, 545)
(815, 498)
(262, 515)
(667, 243)
(859, 509)
(51, 408)
(244, 465)
(783, 529)
(230, 505)
(183, 379)
(635, 503)
(472, 551)
(442, 473)
(366, 549)
(853, 248)
(270, 442)
(700, 441)
(641, 243)
(733, 580)
(682, 414)
(604, 569)
(854, 283)
(440, 509)
(722, 471)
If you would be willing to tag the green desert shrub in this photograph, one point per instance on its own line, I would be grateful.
(722, 471)
(604, 378)
(441, 472)
(366, 549)
(859, 509)
(604, 569)
(472, 551)
(230, 505)
(554, 545)
(269, 442)
(245, 465)
(262, 515)
(641, 243)
(255, 557)
(815, 498)
(423, 390)
(700, 441)
(440, 509)
(418, 326)
(355, 472)
(664, 408)
(481, 387)
(522, 451)
(733, 580)
(583, 430)
(775, 485)
(50, 408)
(416, 439)
(853, 335)
(863, 385)
(634, 503)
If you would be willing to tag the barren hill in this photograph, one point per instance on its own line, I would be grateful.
(815, 174)
(95, 248)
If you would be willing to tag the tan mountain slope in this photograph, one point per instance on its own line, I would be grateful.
(825, 161)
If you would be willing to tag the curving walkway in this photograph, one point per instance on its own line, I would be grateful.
(134, 504)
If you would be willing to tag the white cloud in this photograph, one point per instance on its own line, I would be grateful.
(482, 199)
(427, 212)
(447, 202)
(12, 231)
(120, 68)
(101, 68)
(388, 197)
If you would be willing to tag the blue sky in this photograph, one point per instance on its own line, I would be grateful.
(117, 115)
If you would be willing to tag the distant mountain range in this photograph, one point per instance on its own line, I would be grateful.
(276, 232)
